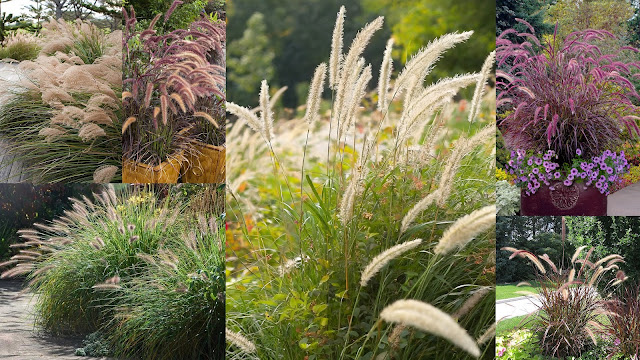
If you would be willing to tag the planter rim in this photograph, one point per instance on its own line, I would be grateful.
(177, 156)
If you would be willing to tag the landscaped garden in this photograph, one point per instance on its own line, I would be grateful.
(362, 229)
(174, 94)
(60, 111)
(137, 271)
(587, 303)
(568, 113)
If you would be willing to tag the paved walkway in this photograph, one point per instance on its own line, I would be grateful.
(10, 169)
(625, 202)
(18, 338)
(522, 305)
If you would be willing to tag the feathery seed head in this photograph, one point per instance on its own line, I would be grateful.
(335, 58)
(383, 259)
(315, 94)
(430, 319)
(465, 229)
(240, 341)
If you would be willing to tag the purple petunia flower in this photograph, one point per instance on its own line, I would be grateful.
(578, 152)
(567, 182)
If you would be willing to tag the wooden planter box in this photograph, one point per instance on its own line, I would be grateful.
(205, 165)
(577, 199)
(167, 172)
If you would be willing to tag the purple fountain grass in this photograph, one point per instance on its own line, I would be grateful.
(171, 79)
(571, 307)
(564, 95)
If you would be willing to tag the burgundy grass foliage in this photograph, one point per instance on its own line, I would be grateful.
(171, 79)
(566, 95)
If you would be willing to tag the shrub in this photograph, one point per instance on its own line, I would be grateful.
(19, 47)
(520, 344)
(570, 311)
(564, 96)
(507, 198)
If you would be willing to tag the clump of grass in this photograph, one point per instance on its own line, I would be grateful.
(141, 271)
(624, 321)
(174, 86)
(176, 309)
(64, 119)
(570, 315)
(90, 244)
(19, 47)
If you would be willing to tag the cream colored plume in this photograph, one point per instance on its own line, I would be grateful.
(240, 341)
(430, 319)
(465, 229)
(384, 258)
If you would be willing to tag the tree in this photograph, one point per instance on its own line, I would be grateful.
(608, 235)
(538, 234)
(610, 15)
(249, 62)
(415, 23)
(299, 34)
(35, 12)
(57, 6)
(532, 11)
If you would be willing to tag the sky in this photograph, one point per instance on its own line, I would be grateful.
(15, 7)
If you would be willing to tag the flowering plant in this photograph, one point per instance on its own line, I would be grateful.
(533, 169)
(173, 82)
(565, 94)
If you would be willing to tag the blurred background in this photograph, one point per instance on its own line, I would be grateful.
(283, 41)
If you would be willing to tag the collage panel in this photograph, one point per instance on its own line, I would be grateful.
(124, 271)
(568, 108)
(360, 176)
(567, 287)
(60, 85)
(360, 217)
(174, 92)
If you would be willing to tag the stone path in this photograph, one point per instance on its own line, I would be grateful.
(10, 169)
(522, 305)
(19, 340)
(625, 202)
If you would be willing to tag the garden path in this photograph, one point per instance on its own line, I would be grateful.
(10, 169)
(625, 202)
(18, 340)
(518, 306)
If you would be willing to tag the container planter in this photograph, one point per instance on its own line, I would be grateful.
(205, 164)
(167, 172)
(558, 199)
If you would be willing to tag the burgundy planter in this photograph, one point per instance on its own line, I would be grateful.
(576, 199)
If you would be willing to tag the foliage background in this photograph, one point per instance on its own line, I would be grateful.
(21, 205)
(298, 47)
(542, 234)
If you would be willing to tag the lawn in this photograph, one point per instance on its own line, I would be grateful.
(515, 323)
(508, 291)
